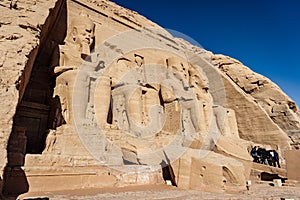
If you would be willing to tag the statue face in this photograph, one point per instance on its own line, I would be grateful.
(83, 34)
(180, 69)
(197, 81)
(194, 80)
(139, 61)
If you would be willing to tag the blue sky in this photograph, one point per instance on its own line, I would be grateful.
(264, 35)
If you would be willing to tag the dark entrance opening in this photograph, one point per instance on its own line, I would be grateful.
(168, 173)
(265, 176)
(36, 89)
(31, 120)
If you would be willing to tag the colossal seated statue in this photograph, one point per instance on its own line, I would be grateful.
(66, 61)
(138, 96)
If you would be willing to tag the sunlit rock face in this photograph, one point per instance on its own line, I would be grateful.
(96, 95)
(281, 109)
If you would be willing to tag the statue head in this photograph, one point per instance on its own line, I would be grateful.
(139, 60)
(197, 81)
(178, 66)
(82, 33)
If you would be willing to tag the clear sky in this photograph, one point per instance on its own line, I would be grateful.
(262, 34)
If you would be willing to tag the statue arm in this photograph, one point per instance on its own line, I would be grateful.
(58, 62)
(61, 69)
(58, 70)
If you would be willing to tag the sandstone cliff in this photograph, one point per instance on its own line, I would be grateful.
(281, 109)
(20, 35)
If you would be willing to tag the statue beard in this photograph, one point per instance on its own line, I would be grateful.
(85, 50)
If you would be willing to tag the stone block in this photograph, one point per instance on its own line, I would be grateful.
(292, 164)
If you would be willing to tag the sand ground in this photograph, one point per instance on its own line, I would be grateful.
(163, 192)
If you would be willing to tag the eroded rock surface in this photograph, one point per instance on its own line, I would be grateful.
(281, 109)
(20, 29)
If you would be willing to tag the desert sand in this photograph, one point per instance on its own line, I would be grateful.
(259, 190)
